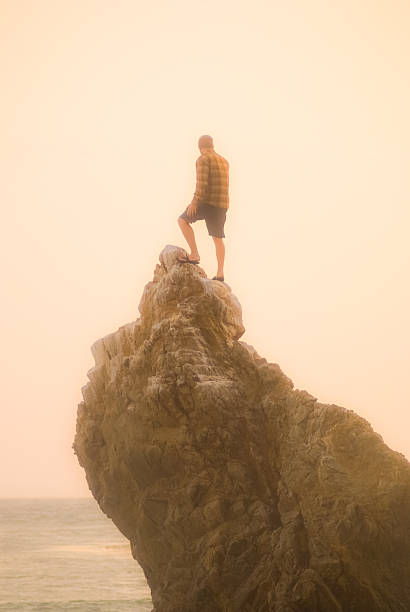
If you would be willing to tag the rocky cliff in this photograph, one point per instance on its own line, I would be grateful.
(237, 491)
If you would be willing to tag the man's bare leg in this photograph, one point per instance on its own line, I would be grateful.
(220, 255)
(189, 237)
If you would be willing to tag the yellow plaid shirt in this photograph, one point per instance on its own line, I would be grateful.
(212, 180)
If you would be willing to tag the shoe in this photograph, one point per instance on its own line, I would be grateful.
(220, 278)
(187, 260)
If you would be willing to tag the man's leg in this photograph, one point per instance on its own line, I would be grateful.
(220, 255)
(189, 237)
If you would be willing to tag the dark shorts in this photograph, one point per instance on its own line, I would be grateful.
(214, 218)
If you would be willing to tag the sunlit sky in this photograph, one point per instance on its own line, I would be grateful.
(102, 105)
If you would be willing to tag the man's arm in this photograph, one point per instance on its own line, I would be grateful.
(202, 175)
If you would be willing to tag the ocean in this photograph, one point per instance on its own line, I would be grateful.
(65, 554)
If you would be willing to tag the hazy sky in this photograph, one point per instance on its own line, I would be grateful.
(102, 103)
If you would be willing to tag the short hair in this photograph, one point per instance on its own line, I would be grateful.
(205, 142)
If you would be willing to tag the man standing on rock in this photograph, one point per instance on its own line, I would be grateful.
(210, 202)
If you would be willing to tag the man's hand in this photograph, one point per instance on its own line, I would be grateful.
(191, 210)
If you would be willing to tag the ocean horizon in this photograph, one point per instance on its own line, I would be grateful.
(65, 554)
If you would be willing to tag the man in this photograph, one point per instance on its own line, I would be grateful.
(210, 202)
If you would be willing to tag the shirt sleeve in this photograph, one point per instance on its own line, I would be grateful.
(202, 175)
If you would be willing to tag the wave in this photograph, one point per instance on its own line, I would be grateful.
(102, 605)
(101, 549)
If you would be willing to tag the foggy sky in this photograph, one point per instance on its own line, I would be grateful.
(102, 105)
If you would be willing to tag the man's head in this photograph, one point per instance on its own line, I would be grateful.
(205, 143)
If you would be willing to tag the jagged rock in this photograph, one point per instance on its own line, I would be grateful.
(236, 491)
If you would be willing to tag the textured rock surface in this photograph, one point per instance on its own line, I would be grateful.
(236, 491)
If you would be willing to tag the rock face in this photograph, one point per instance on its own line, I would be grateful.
(237, 491)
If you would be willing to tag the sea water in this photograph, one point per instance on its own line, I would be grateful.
(65, 554)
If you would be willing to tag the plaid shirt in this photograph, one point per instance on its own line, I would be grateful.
(212, 180)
